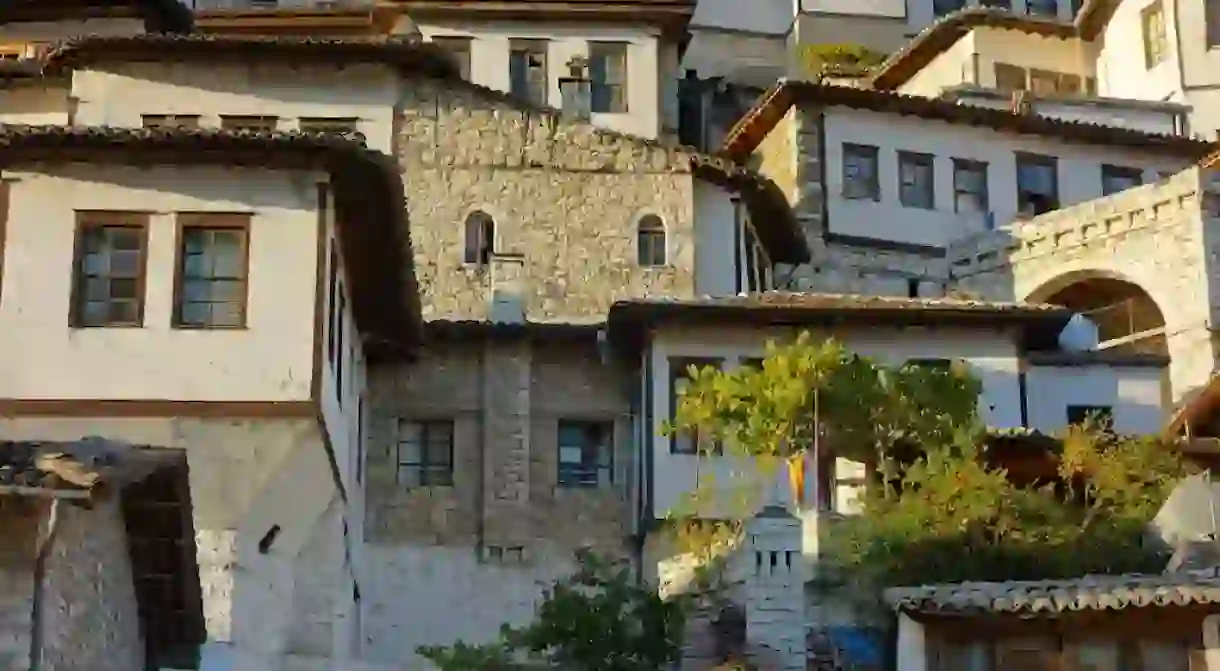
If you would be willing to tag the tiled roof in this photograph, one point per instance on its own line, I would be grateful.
(1196, 404)
(158, 15)
(672, 15)
(1053, 597)
(746, 135)
(366, 185)
(76, 469)
(409, 54)
(630, 319)
(946, 31)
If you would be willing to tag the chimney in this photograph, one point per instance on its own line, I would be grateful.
(577, 89)
(506, 299)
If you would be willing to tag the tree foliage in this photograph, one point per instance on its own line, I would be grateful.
(941, 510)
(597, 619)
(818, 57)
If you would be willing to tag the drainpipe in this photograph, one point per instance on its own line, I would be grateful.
(45, 542)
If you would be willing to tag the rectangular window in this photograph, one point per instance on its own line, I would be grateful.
(110, 265)
(1045, 82)
(1009, 78)
(688, 442)
(211, 275)
(1156, 46)
(424, 451)
(1079, 414)
(999, 4)
(916, 180)
(527, 71)
(458, 49)
(860, 181)
(327, 124)
(943, 7)
(931, 363)
(608, 76)
(170, 120)
(586, 453)
(1116, 178)
(1048, 8)
(1037, 184)
(1211, 10)
(248, 122)
(970, 186)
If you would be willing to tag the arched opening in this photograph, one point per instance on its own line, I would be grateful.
(480, 237)
(650, 241)
(1127, 318)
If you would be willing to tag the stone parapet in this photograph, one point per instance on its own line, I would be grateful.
(1095, 222)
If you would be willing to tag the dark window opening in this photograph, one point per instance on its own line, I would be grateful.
(586, 453)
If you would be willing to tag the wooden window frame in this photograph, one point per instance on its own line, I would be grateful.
(1023, 158)
(332, 304)
(926, 192)
(424, 464)
(1110, 172)
(619, 104)
(250, 122)
(189, 121)
(1154, 37)
(651, 226)
(962, 166)
(88, 219)
(215, 221)
(571, 477)
(1211, 10)
(872, 188)
(478, 238)
(534, 47)
(678, 367)
(459, 49)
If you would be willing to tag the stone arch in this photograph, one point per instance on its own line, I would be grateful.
(1128, 317)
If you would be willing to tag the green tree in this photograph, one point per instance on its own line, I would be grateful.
(597, 619)
(941, 510)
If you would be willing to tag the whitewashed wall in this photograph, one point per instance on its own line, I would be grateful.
(646, 53)
(992, 356)
(35, 104)
(1121, 71)
(715, 240)
(1079, 168)
(1134, 392)
(270, 360)
(120, 94)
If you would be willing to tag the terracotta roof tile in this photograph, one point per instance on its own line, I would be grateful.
(751, 129)
(1053, 597)
(75, 469)
(366, 185)
(630, 320)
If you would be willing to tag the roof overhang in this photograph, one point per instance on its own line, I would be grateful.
(170, 16)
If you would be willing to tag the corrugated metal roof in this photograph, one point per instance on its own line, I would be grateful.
(1054, 597)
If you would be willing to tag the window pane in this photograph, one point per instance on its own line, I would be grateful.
(108, 271)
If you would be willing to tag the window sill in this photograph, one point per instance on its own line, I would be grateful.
(93, 327)
(869, 199)
(188, 327)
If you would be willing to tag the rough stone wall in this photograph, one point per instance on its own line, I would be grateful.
(19, 525)
(480, 552)
(90, 616)
(563, 194)
(1160, 237)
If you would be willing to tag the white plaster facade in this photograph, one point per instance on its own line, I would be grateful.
(1079, 174)
(652, 65)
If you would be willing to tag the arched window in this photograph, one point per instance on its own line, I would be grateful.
(650, 241)
(480, 237)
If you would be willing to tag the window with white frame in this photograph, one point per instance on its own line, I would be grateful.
(586, 453)
(689, 441)
(970, 186)
(860, 181)
(424, 453)
(916, 180)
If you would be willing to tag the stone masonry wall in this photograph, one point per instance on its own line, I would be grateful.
(91, 618)
(505, 529)
(563, 194)
(1161, 237)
